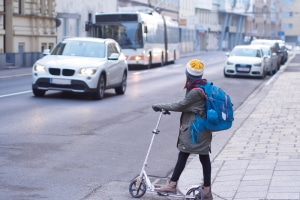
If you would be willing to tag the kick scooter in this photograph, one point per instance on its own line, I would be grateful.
(142, 183)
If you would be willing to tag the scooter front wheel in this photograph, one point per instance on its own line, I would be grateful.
(137, 189)
(197, 192)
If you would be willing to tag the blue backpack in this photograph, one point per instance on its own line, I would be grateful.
(219, 112)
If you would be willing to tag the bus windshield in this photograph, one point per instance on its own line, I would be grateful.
(127, 34)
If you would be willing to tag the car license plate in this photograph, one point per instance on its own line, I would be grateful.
(243, 69)
(60, 81)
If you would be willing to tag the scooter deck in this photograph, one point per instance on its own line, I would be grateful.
(170, 194)
(175, 195)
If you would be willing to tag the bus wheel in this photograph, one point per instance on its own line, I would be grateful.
(174, 58)
(150, 60)
(162, 59)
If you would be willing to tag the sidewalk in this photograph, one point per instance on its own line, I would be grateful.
(15, 72)
(261, 159)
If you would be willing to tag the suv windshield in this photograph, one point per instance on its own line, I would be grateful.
(80, 48)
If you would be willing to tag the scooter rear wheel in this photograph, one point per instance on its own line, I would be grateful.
(137, 190)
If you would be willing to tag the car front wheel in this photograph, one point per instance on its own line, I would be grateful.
(38, 93)
(122, 88)
(99, 94)
(225, 75)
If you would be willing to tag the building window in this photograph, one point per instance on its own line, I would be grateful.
(21, 6)
(50, 46)
(287, 26)
(287, 2)
(287, 14)
(44, 46)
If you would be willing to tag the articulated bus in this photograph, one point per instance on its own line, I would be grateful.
(145, 38)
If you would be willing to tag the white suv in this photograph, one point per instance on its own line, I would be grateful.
(81, 64)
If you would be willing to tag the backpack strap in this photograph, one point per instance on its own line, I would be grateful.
(207, 88)
(208, 93)
(202, 92)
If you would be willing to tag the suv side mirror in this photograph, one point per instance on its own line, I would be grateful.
(114, 56)
(46, 52)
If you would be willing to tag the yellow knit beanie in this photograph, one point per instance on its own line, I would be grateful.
(194, 69)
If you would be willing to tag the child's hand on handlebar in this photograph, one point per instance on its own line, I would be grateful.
(156, 109)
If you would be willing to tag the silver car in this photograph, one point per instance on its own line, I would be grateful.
(271, 59)
(81, 64)
(273, 44)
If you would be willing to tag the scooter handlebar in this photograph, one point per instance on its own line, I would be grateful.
(165, 112)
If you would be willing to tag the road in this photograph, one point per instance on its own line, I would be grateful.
(67, 146)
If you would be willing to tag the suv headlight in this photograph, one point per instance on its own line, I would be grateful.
(39, 68)
(257, 65)
(87, 71)
(229, 63)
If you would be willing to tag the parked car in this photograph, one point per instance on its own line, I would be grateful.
(275, 48)
(81, 64)
(270, 60)
(245, 60)
(284, 51)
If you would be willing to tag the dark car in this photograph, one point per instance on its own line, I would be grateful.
(284, 51)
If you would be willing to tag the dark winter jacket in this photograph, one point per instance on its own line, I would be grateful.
(194, 102)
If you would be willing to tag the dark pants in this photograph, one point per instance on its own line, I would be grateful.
(181, 162)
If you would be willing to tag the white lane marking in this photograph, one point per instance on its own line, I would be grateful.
(11, 76)
(14, 94)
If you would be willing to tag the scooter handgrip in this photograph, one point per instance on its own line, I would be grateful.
(165, 112)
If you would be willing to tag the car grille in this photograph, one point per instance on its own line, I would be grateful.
(54, 71)
(63, 72)
(75, 85)
(243, 68)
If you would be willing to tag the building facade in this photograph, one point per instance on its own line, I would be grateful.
(187, 23)
(208, 26)
(264, 20)
(233, 17)
(76, 17)
(26, 29)
(290, 23)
